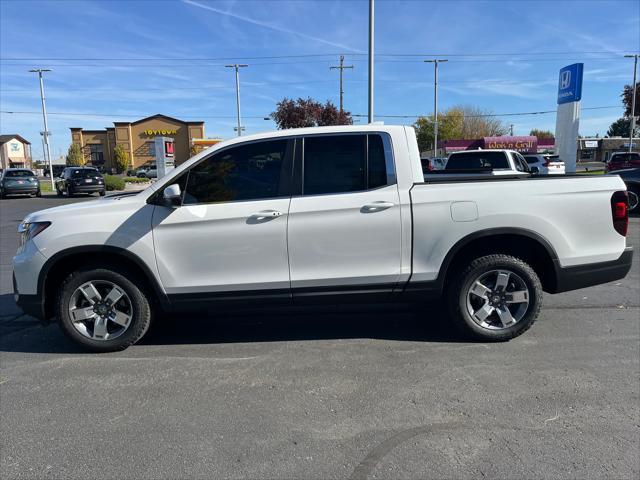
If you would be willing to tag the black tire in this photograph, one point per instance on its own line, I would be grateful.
(68, 191)
(39, 193)
(59, 192)
(458, 289)
(102, 193)
(140, 316)
(634, 190)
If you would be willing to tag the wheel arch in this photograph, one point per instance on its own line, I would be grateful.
(57, 267)
(525, 244)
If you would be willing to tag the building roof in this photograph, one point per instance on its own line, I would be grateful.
(5, 138)
(166, 117)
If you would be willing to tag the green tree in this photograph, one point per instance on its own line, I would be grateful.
(121, 157)
(541, 133)
(627, 99)
(75, 158)
(620, 128)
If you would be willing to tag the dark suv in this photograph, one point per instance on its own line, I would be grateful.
(80, 180)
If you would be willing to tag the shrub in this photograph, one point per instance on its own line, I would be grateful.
(74, 156)
(121, 157)
(111, 182)
(136, 180)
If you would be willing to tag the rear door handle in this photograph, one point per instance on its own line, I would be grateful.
(266, 214)
(377, 206)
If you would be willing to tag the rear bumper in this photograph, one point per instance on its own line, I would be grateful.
(20, 189)
(87, 188)
(581, 276)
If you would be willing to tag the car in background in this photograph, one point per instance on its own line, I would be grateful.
(57, 170)
(485, 162)
(80, 180)
(546, 164)
(151, 172)
(631, 178)
(19, 181)
(622, 160)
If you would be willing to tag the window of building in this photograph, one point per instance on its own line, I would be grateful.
(247, 172)
(344, 163)
(96, 154)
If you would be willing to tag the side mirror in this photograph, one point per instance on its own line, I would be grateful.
(172, 195)
(535, 170)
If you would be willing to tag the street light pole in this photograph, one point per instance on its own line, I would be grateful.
(371, 52)
(632, 124)
(237, 67)
(435, 102)
(46, 133)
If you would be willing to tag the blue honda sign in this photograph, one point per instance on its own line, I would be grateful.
(570, 84)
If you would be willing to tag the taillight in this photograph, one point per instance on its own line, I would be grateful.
(620, 212)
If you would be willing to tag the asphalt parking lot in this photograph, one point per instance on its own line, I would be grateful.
(358, 394)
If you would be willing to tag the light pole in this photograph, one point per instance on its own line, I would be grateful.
(435, 62)
(371, 52)
(46, 132)
(632, 124)
(237, 67)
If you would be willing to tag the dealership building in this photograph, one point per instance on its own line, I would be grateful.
(138, 139)
(15, 151)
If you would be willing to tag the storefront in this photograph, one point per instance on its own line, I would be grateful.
(523, 144)
(15, 152)
(137, 139)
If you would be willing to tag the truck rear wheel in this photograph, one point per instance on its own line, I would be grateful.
(495, 298)
(102, 310)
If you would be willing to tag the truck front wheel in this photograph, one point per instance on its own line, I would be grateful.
(102, 310)
(495, 298)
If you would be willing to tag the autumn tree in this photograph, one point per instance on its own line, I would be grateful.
(74, 158)
(121, 157)
(541, 133)
(308, 113)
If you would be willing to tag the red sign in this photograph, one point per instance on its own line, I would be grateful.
(520, 144)
(168, 148)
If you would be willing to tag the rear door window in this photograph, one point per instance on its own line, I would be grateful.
(19, 173)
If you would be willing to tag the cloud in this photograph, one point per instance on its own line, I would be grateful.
(271, 26)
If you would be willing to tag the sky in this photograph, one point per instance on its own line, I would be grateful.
(122, 60)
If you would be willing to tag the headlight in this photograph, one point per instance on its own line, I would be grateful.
(28, 230)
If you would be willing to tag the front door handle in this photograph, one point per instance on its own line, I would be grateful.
(376, 206)
(266, 214)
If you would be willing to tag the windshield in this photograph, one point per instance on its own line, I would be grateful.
(476, 160)
(85, 173)
(19, 173)
(625, 157)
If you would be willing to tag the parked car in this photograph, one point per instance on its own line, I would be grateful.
(19, 181)
(482, 163)
(151, 172)
(57, 170)
(80, 180)
(435, 163)
(622, 160)
(141, 171)
(319, 215)
(545, 164)
(631, 178)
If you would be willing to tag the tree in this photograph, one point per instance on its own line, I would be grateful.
(620, 128)
(121, 157)
(308, 113)
(541, 133)
(627, 98)
(459, 122)
(75, 158)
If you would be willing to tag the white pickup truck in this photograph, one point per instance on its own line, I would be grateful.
(314, 216)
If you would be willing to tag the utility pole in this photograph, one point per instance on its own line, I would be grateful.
(435, 62)
(237, 67)
(511, 129)
(46, 132)
(341, 68)
(371, 52)
(632, 124)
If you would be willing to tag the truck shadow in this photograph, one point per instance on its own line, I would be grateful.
(20, 333)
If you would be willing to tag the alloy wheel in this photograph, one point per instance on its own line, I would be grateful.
(497, 299)
(100, 310)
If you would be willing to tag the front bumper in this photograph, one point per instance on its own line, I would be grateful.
(581, 276)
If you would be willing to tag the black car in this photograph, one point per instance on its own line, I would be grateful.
(57, 170)
(80, 180)
(19, 181)
(631, 178)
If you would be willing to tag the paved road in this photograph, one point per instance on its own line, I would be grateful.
(362, 394)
